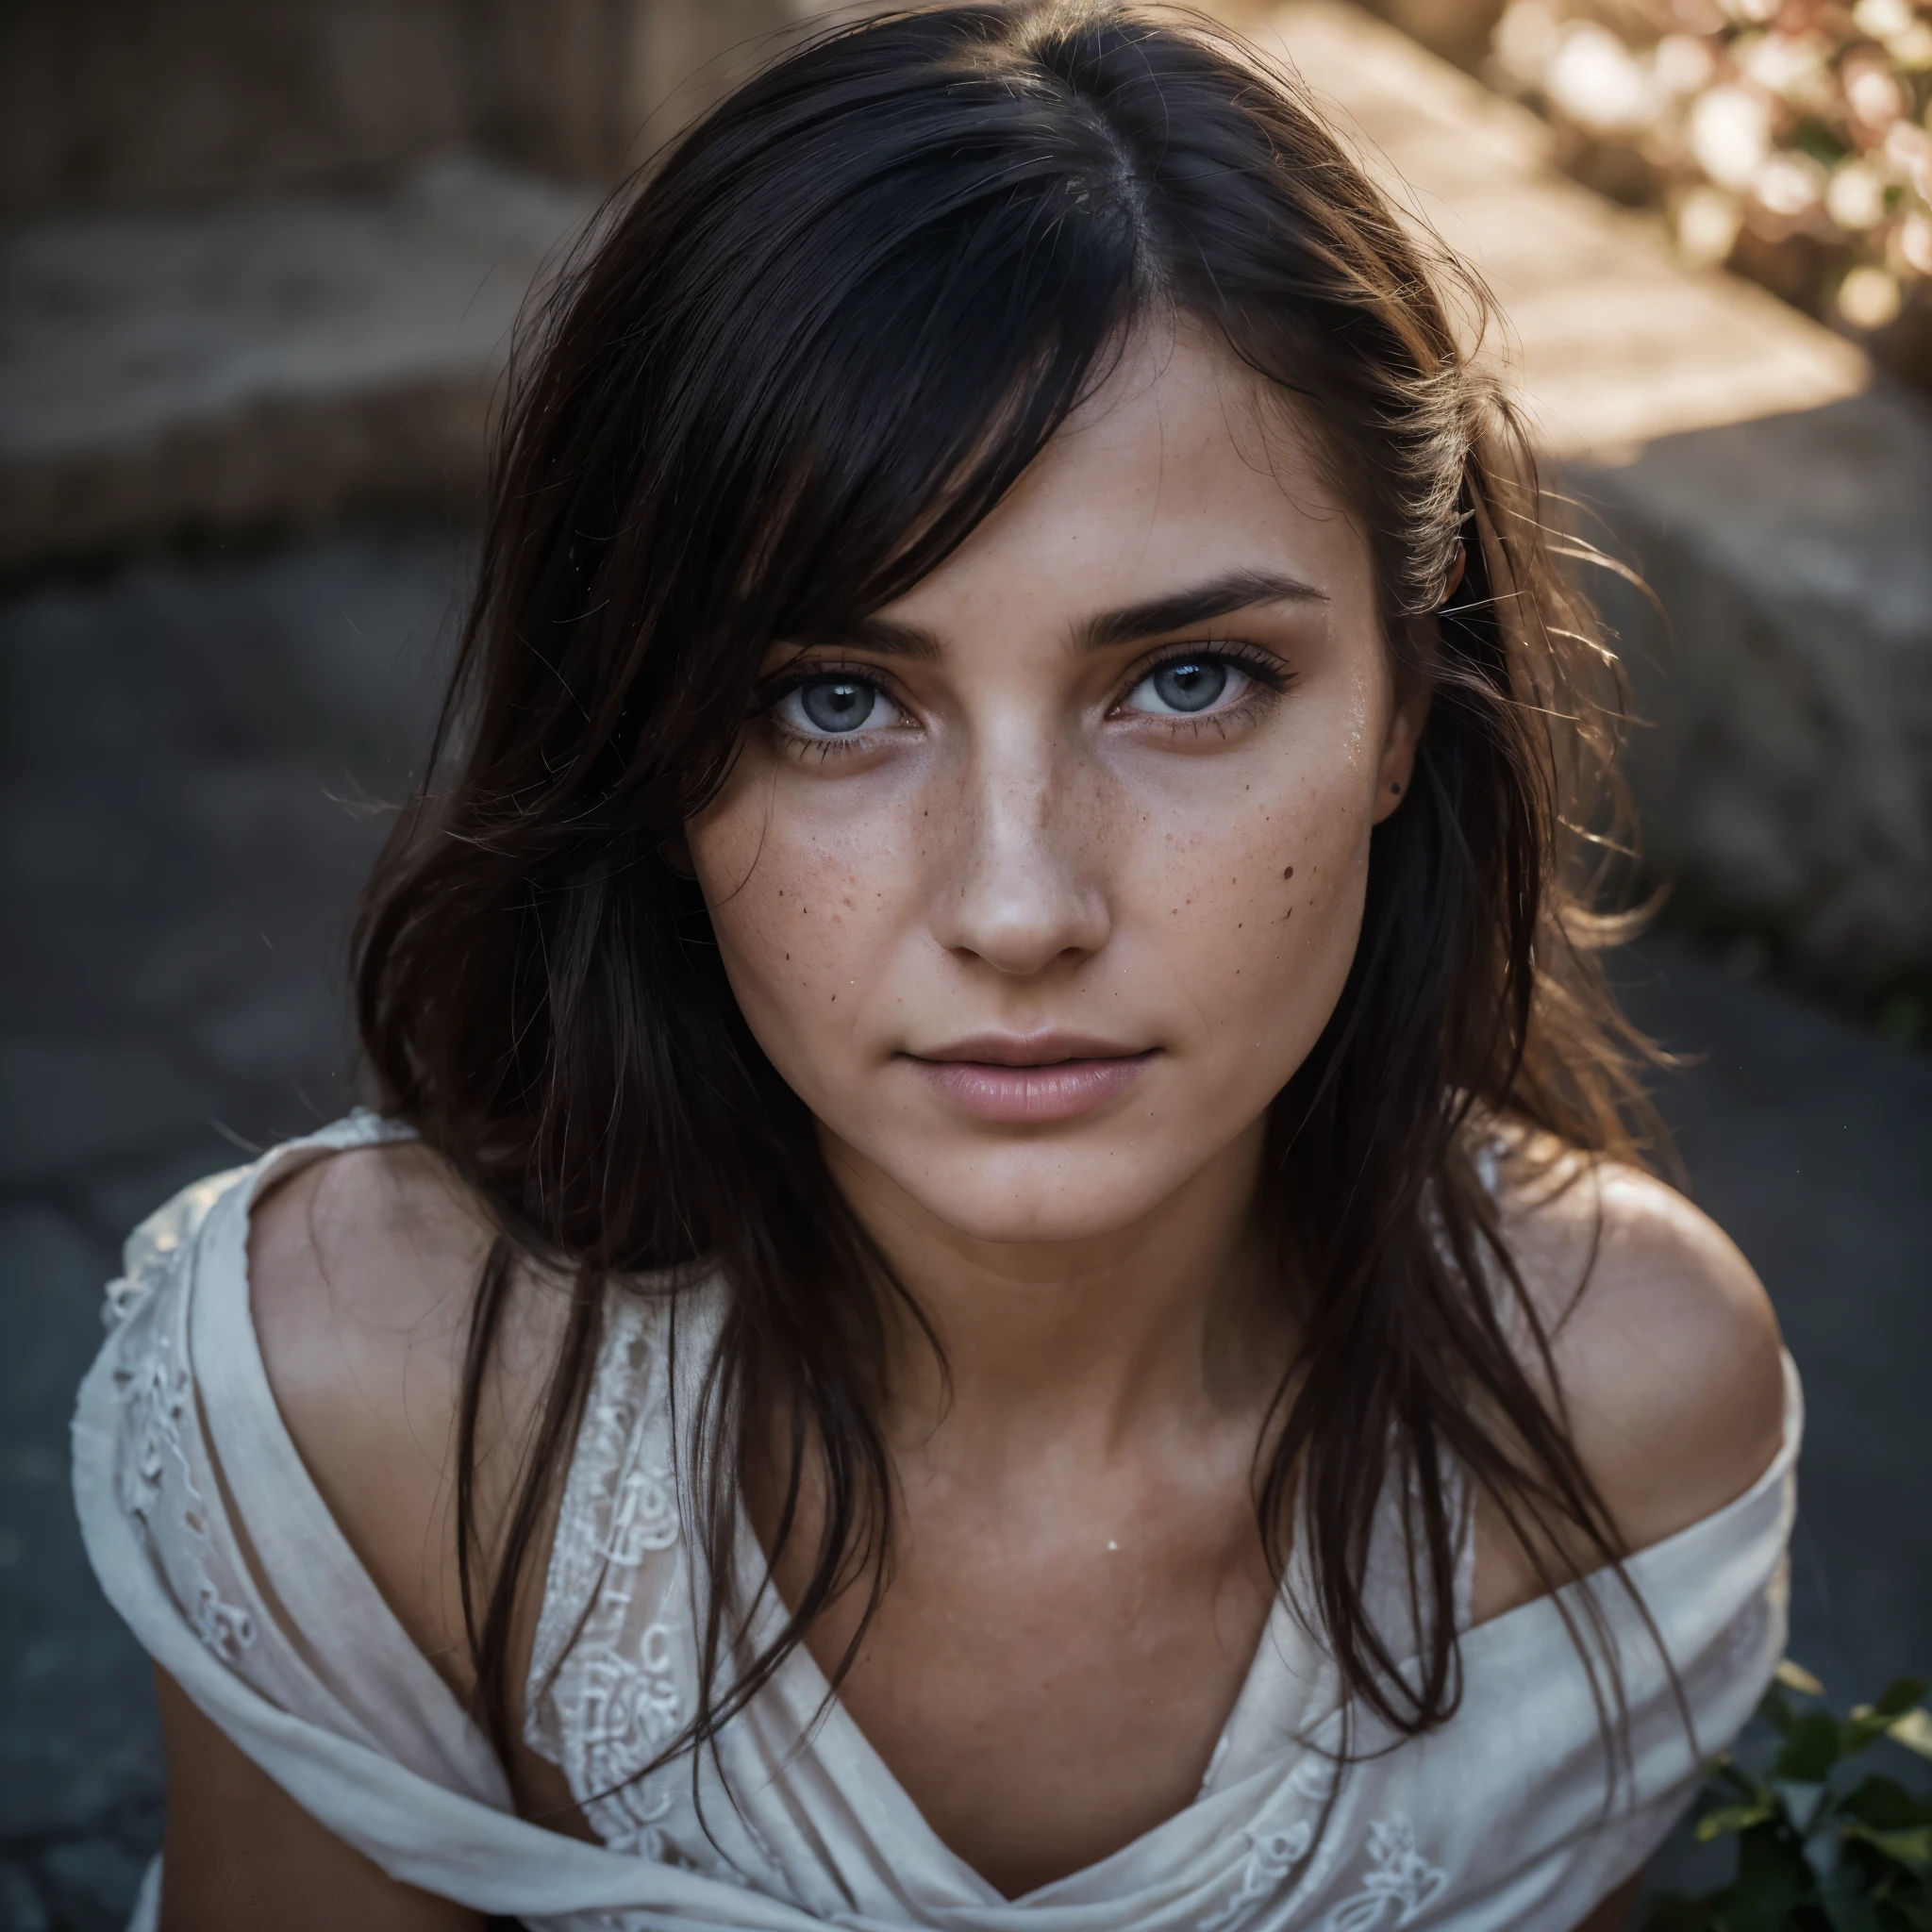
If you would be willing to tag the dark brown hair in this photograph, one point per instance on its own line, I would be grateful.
(790, 373)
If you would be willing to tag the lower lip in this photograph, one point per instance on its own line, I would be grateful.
(1029, 1096)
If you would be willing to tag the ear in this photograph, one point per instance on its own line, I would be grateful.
(1406, 721)
(673, 848)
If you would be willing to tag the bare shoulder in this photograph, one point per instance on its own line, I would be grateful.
(1664, 1340)
(364, 1270)
(361, 1269)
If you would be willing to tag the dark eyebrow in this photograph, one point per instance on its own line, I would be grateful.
(1239, 590)
(1220, 596)
(890, 638)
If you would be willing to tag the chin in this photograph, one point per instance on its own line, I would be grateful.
(1030, 1192)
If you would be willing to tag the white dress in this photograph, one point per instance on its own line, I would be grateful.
(211, 1540)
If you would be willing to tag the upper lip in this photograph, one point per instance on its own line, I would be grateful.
(1030, 1049)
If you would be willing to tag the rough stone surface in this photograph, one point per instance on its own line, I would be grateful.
(65, 1102)
(188, 758)
(185, 738)
(1778, 501)
(1809, 1142)
(1788, 770)
(80, 1751)
(1611, 341)
(262, 361)
(151, 101)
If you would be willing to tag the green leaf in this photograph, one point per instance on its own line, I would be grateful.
(1671, 1911)
(1772, 1882)
(1900, 1695)
(1795, 1676)
(1851, 1911)
(1732, 1817)
(1749, 1790)
(1913, 1730)
(1871, 1721)
(1912, 1848)
(1777, 1711)
(1810, 1749)
(1884, 1804)
(1801, 1803)
(1863, 1728)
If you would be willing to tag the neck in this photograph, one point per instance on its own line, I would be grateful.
(1171, 1318)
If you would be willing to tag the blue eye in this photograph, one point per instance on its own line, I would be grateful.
(835, 706)
(1185, 686)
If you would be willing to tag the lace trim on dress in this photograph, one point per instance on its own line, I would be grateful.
(1397, 1888)
(157, 1390)
(154, 1389)
(605, 1695)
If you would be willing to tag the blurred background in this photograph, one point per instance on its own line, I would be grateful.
(258, 266)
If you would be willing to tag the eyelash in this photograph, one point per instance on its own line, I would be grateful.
(773, 694)
(1268, 676)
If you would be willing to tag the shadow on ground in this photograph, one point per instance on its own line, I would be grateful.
(193, 754)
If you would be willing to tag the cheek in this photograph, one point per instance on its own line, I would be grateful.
(1258, 913)
(803, 914)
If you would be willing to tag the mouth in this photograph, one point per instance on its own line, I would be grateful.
(1026, 1080)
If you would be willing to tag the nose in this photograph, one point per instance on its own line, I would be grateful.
(1019, 886)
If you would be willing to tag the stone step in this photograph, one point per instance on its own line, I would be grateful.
(262, 362)
(1773, 492)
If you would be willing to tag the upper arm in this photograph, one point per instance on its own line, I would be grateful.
(1667, 1354)
(1670, 1361)
(361, 1273)
(240, 1853)
(364, 1270)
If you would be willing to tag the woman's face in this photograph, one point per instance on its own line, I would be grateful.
(1040, 887)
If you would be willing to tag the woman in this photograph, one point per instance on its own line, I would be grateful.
(1002, 1281)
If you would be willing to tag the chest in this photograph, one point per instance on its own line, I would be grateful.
(1047, 1680)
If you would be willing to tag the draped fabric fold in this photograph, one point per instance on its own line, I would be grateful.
(211, 1542)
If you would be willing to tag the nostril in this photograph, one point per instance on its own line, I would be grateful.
(1053, 924)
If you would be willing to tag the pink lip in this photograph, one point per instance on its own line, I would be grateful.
(1015, 1081)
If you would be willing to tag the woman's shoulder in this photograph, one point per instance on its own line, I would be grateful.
(1666, 1348)
(363, 1272)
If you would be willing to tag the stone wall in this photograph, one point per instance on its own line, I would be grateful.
(1784, 672)
(144, 102)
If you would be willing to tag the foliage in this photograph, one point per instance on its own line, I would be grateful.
(1790, 133)
(1818, 1853)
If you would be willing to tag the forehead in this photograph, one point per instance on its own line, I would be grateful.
(1184, 465)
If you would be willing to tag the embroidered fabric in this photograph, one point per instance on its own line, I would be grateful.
(157, 1475)
(605, 1695)
(213, 1544)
